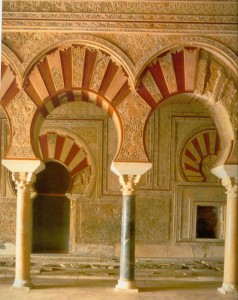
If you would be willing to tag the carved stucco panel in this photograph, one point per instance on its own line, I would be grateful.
(201, 75)
(58, 78)
(151, 86)
(166, 63)
(78, 55)
(100, 8)
(234, 112)
(229, 92)
(7, 221)
(21, 110)
(153, 220)
(97, 223)
(133, 112)
(99, 70)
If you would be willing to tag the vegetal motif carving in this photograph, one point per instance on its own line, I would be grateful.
(21, 110)
(78, 55)
(151, 86)
(134, 112)
(166, 63)
(58, 78)
(99, 70)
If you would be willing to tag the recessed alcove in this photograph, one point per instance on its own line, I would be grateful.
(51, 210)
(207, 220)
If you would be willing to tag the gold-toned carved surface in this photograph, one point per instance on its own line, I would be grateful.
(151, 228)
(98, 223)
(21, 111)
(134, 112)
(7, 220)
(71, 55)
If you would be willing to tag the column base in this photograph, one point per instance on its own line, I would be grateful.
(22, 285)
(230, 289)
(127, 286)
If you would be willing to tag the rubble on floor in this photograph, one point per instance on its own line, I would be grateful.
(58, 266)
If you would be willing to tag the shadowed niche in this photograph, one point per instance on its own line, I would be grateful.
(51, 210)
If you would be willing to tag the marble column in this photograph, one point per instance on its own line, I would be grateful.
(126, 281)
(23, 174)
(230, 279)
(23, 182)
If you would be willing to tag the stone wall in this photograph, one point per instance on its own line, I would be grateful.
(166, 202)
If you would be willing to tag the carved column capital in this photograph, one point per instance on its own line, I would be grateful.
(230, 183)
(23, 180)
(128, 183)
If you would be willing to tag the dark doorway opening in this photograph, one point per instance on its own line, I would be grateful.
(51, 210)
(206, 222)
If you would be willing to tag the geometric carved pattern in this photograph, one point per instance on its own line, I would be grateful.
(198, 156)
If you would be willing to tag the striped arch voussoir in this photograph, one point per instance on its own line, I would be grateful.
(186, 70)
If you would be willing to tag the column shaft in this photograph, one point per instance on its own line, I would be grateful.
(127, 263)
(127, 260)
(230, 280)
(23, 235)
(231, 246)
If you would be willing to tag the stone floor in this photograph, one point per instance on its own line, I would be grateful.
(69, 278)
(63, 266)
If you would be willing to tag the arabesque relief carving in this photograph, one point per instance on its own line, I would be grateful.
(78, 55)
(134, 112)
(21, 110)
(151, 86)
(99, 70)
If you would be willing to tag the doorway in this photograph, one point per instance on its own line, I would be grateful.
(51, 210)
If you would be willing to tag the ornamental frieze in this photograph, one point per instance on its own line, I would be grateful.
(212, 8)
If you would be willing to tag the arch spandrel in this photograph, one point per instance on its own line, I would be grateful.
(194, 70)
(133, 112)
(20, 112)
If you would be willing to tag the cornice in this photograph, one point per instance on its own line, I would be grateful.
(223, 8)
(100, 26)
(128, 16)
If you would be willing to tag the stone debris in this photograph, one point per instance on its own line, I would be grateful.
(43, 265)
